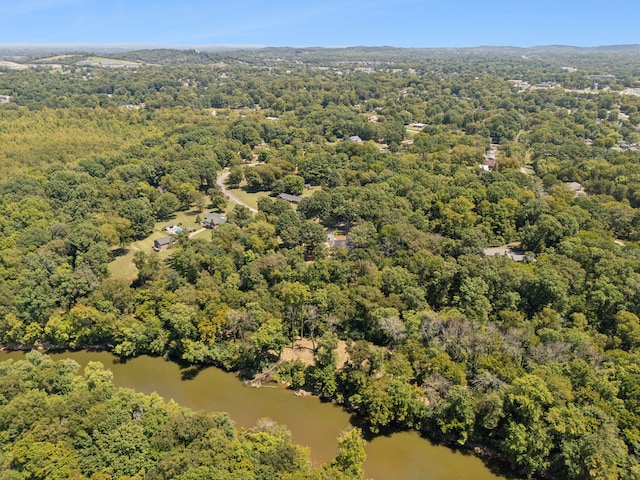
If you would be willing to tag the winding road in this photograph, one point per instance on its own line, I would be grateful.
(220, 182)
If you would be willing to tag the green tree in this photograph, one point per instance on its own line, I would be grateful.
(235, 177)
(140, 213)
(351, 454)
(165, 205)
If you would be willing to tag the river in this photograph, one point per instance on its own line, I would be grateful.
(401, 456)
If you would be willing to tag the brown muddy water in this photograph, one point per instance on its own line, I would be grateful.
(400, 456)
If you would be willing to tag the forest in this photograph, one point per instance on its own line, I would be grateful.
(426, 162)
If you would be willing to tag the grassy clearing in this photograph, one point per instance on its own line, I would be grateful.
(250, 199)
(122, 267)
(307, 193)
(413, 131)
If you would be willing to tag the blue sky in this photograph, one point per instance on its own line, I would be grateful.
(402, 23)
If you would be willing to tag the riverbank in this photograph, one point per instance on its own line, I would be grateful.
(317, 424)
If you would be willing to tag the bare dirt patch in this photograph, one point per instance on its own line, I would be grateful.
(302, 349)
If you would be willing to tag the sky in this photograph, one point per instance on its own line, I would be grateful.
(328, 23)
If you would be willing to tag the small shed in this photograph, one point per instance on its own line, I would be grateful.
(213, 219)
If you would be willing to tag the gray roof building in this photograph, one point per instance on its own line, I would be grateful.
(212, 219)
(290, 198)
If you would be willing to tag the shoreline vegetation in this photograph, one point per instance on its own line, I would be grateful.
(451, 238)
(87, 428)
(499, 461)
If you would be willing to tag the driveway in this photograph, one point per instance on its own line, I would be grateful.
(220, 182)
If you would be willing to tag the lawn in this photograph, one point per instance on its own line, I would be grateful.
(122, 267)
(412, 131)
(250, 199)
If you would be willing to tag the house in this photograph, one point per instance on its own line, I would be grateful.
(290, 198)
(489, 161)
(163, 243)
(212, 219)
(339, 238)
(506, 250)
(355, 139)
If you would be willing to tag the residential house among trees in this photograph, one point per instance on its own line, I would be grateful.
(290, 198)
(212, 219)
(163, 243)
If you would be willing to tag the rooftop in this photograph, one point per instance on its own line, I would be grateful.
(290, 198)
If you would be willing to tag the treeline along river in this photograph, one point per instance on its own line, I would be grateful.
(312, 423)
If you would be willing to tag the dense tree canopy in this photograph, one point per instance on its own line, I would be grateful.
(413, 167)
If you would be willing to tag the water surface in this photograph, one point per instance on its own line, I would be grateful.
(401, 456)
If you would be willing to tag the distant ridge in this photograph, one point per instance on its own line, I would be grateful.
(34, 49)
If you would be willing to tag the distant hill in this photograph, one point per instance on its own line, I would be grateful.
(25, 49)
(557, 55)
(38, 49)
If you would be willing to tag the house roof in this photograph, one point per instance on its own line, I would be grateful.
(355, 139)
(290, 198)
(164, 241)
(215, 218)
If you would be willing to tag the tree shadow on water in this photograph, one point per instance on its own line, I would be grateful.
(190, 372)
